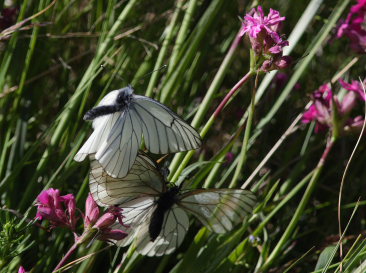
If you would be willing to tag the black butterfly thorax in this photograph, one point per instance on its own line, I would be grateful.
(121, 103)
(165, 201)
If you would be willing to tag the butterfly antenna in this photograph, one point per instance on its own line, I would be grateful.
(160, 68)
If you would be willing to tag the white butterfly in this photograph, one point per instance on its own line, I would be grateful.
(156, 211)
(120, 120)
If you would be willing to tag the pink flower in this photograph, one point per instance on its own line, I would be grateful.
(320, 110)
(21, 270)
(104, 225)
(354, 124)
(112, 234)
(353, 27)
(355, 86)
(264, 38)
(91, 211)
(328, 116)
(255, 22)
(59, 210)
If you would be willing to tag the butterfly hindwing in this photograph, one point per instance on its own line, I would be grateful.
(173, 231)
(218, 209)
(118, 136)
(143, 193)
(142, 180)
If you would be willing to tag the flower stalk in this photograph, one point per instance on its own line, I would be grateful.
(67, 256)
(211, 121)
(248, 129)
(301, 207)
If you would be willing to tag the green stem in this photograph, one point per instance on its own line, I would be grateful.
(207, 100)
(67, 256)
(182, 34)
(164, 49)
(300, 209)
(74, 101)
(210, 122)
(244, 148)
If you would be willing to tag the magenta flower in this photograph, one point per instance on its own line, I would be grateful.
(353, 27)
(265, 40)
(59, 210)
(91, 211)
(255, 22)
(355, 124)
(21, 270)
(104, 223)
(328, 116)
(355, 86)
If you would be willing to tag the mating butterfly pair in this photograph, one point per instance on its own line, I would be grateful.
(154, 210)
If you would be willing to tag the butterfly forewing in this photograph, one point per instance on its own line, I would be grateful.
(118, 152)
(107, 100)
(163, 130)
(218, 209)
(98, 137)
(142, 180)
(118, 136)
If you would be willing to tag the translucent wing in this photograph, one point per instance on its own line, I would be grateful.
(117, 137)
(174, 229)
(218, 209)
(136, 213)
(142, 180)
(163, 130)
(102, 127)
(118, 152)
(108, 99)
(98, 137)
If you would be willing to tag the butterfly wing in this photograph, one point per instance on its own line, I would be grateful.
(108, 99)
(102, 127)
(174, 229)
(118, 152)
(142, 180)
(163, 130)
(218, 209)
(136, 213)
(98, 137)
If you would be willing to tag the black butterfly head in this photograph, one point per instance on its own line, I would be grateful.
(124, 95)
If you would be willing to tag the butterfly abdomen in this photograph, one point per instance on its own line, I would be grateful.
(102, 111)
(156, 223)
(163, 205)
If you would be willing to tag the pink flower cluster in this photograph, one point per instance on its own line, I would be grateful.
(353, 27)
(61, 212)
(104, 223)
(322, 110)
(265, 40)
